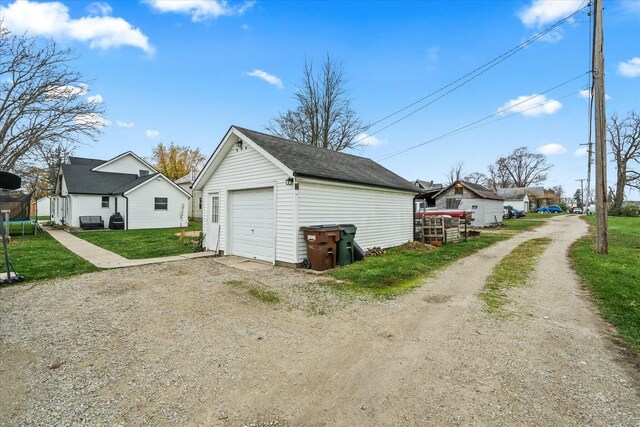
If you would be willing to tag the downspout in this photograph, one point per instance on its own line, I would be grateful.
(126, 218)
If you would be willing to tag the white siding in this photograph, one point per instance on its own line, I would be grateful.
(384, 217)
(194, 207)
(43, 206)
(127, 164)
(521, 205)
(89, 205)
(485, 211)
(141, 206)
(244, 169)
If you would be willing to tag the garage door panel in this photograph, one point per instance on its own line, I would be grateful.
(252, 223)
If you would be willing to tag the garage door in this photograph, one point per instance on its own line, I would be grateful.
(252, 223)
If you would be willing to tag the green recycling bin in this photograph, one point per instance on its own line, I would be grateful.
(346, 247)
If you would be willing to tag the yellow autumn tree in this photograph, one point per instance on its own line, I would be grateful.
(176, 161)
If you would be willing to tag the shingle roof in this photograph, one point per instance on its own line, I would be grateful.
(534, 191)
(514, 196)
(428, 185)
(80, 179)
(478, 189)
(310, 161)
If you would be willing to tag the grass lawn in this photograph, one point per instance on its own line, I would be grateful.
(504, 276)
(614, 279)
(41, 257)
(536, 215)
(400, 270)
(138, 244)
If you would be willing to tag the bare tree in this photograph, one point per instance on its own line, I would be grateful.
(477, 178)
(324, 116)
(499, 175)
(42, 102)
(455, 173)
(521, 168)
(624, 139)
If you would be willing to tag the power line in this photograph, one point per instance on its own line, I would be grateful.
(469, 76)
(493, 115)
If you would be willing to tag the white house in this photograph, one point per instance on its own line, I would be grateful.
(195, 205)
(485, 205)
(125, 184)
(259, 190)
(515, 198)
(43, 206)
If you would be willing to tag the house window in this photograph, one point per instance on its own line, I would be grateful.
(105, 201)
(161, 203)
(215, 209)
(144, 172)
(200, 203)
(458, 189)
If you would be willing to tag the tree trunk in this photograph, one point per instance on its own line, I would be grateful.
(620, 185)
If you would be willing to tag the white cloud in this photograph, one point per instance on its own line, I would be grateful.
(124, 124)
(99, 9)
(580, 152)
(630, 68)
(68, 91)
(584, 93)
(269, 78)
(369, 140)
(531, 105)
(95, 99)
(542, 12)
(551, 149)
(151, 133)
(93, 120)
(200, 10)
(52, 19)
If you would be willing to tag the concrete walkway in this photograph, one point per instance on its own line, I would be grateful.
(103, 258)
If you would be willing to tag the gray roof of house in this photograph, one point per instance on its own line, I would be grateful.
(428, 185)
(80, 179)
(514, 196)
(508, 192)
(317, 162)
(478, 189)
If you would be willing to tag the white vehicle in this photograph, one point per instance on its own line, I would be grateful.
(577, 211)
(591, 209)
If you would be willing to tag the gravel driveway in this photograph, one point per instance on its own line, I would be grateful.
(187, 343)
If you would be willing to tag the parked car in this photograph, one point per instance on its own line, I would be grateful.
(511, 212)
(577, 211)
(549, 209)
(591, 209)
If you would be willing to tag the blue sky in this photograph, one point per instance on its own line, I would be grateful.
(184, 71)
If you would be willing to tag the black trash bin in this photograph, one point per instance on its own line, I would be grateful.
(346, 246)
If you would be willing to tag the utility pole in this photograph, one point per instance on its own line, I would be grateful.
(582, 180)
(589, 163)
(602, 241)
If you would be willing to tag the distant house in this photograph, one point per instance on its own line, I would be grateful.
(516, 198)
(260, 190)
(537, 196)
(43, 206)
(195, 204)
(427, 191)
(125, 184)
(485, 205)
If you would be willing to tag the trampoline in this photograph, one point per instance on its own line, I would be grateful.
(31, 223)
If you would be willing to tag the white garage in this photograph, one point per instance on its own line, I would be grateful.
(252, 223)
(259, 190)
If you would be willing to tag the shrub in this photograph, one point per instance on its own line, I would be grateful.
(629, 210)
